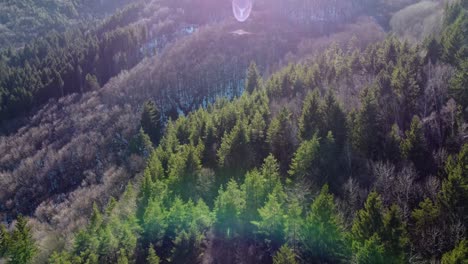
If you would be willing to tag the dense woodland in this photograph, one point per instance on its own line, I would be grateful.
(159, 137)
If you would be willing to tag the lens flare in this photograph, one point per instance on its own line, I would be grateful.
(241, 9)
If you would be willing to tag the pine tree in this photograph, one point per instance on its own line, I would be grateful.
(151, 121)
(394, 236)
(414, 147)
(4, 240)
(371, 252)
(367, 136)
(294, 223)
(311, 119)
(122, 259)
(454, 193)
(334, 120)
(272, 221)
(255, 196)
(305, 163)
(284, 256)
(282, 138)
(152, 257)
(270, 172)
(22, 247)
(459, 255)
(459, 85)
(322, 235)
(253, 78)
(368, 221)
(229, 206)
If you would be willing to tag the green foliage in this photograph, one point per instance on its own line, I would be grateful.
(229, 206)
(4, 240)
(371, 252)
(458, 255)
(367, 130)
(414, 147)
(272, 223)
(141, 144)
(311, 119)
(285, 256)
(281, 138)
(21, 246)
(235, 151)
(459, 84)
(253, 79)
(379, 236)
(322, 235)
(152, 257)
(305, 161)
(454, 193)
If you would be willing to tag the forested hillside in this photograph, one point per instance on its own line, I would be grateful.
(159, 135)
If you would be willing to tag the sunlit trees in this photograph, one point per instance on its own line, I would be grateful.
(322, 235)
(458, 255)
(152, 257)
(305, 161)
(229, 206)
(284, 256)
(375, 229)
(272, 223)
(21, 246)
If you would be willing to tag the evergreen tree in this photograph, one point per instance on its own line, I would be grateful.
(255, 197)
(229, 206)
(368, 221)
(459, 255)
(334, 120)
(414, 147)
(122, 259)
(152, 257)
(459, 85)
(253, 78)
(394, 236)
(270, 172)
(322, 235)
(371, 252)
(454, 193)
(311, 119)
(305, 163)
(151, 121)
(367, 129)
(272, 221)
(284, 256)
(22, 247)
(4, 240)
(282, 138)
(235, 151)
(141, 144)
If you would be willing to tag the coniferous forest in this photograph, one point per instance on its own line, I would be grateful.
(167, 131)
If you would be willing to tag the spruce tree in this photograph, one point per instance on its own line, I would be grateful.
(151, 121)
(322, 235)
(285, 256)
(253, 78)
(22, 247)
(311, 119)
(152, 257)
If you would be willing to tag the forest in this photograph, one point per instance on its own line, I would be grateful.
(156, 135)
